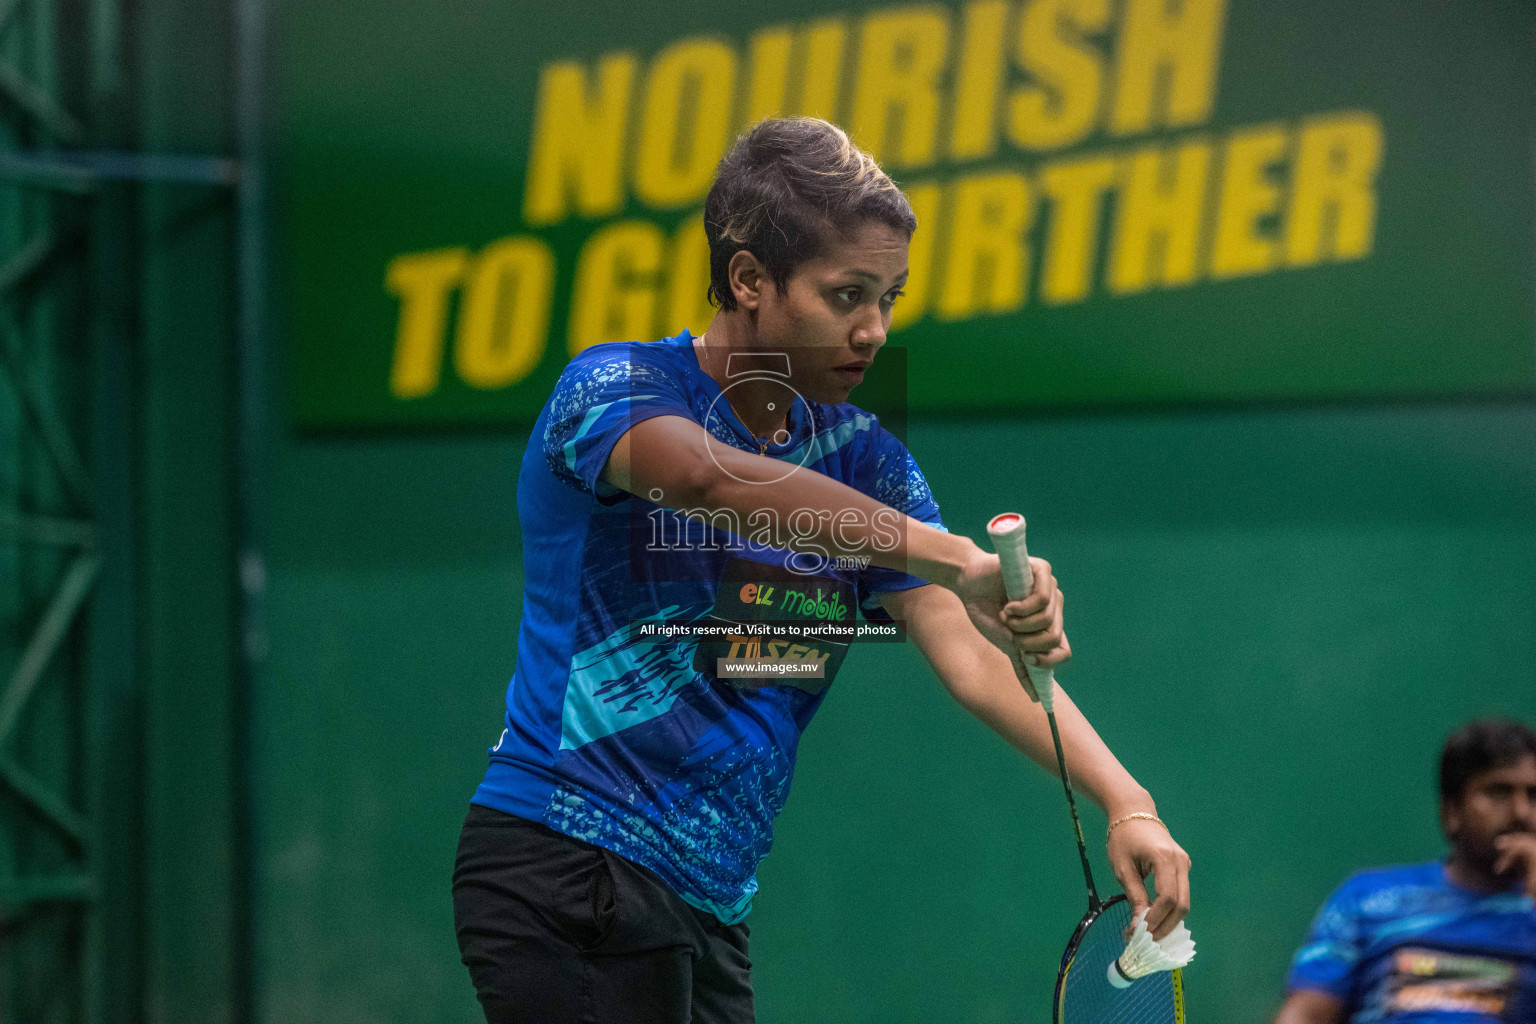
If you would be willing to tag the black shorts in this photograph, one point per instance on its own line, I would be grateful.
(557, 931)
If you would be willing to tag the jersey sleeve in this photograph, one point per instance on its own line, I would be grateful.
(1327, 958)
(604, 392)
(900, 484)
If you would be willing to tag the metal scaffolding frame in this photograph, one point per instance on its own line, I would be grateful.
(67, 171)
(48, 530)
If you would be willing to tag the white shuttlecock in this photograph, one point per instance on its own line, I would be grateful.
(1145, 955)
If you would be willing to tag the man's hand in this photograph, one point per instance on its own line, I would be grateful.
(1517, 852)
(1138, 848)
(1305, 1006)
(1029, 629)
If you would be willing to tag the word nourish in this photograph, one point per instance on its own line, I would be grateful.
(991, 93)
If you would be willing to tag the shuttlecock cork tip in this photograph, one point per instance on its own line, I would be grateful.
(1145, 955)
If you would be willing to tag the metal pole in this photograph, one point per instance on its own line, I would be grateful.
(250, 482)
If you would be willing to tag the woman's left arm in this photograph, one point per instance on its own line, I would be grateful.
(982, 679)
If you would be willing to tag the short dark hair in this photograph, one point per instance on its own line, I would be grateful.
(1481, 746)
(782, 186)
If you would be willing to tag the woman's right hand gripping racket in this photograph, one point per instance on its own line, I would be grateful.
(1103, 979)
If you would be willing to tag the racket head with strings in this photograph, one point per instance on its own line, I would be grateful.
(1083, 992)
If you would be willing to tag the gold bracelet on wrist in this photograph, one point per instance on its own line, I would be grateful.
(1143, 815)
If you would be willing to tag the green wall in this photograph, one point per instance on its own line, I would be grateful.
(1277, 613)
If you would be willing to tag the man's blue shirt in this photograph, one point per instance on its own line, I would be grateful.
(635, 744)
(1406, 945)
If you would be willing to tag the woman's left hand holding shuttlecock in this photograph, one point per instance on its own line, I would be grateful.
(1141, 847)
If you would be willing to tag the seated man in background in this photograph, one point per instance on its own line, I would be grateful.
(1450, 942)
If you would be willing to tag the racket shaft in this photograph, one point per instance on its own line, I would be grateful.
(1077, 824)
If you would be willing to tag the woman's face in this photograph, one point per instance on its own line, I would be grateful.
(836, 309)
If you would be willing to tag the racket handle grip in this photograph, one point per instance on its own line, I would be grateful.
(1007, 534)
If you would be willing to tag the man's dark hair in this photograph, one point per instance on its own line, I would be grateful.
(781, 188)
(1481, 746)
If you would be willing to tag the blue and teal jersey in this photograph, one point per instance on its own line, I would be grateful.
(631, 742)
(1406, 945)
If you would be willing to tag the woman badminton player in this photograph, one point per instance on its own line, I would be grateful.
(608, 859)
